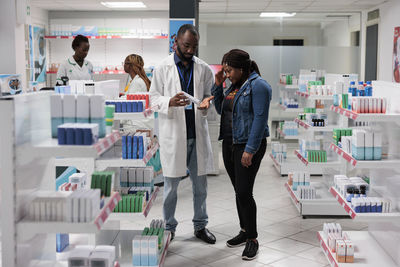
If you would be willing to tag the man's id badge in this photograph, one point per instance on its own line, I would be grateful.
(189, 107)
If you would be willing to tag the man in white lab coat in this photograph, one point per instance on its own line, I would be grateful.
(184, 139)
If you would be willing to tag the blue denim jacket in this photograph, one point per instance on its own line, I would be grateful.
(250, 111)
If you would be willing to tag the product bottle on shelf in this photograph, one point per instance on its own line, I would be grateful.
(350, 94)
(360, 89)
(368, 89)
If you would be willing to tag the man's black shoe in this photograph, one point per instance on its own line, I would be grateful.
(172, 236)
(250, 251)
(237, 241)
(205, 235)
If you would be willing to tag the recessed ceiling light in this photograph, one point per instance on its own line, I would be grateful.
(276, 14)
(124, 4)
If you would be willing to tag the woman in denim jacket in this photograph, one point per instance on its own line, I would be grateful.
(244, 128)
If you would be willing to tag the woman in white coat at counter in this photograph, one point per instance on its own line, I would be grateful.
(76, 67)
(184, 139)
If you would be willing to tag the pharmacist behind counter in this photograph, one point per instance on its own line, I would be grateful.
(76, 67)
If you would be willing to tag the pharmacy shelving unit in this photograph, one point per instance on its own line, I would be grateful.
(27, 166)
(27, 162)
(379, 246)
(368, 252)
(322, 205)
(291, 163)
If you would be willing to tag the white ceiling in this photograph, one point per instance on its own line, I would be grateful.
(309, 12)
(223, 6)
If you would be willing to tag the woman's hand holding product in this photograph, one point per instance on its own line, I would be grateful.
(246, 159)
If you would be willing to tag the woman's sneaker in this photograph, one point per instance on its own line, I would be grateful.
(237, 241)
(250, 251)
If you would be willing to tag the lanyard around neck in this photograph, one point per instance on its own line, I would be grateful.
(183, 78)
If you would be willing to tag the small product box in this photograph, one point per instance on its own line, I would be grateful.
(153, 250)
(340, 251)
(349, 251)
(82, 108)
(144, 250)
(97, 113)
(358, 144)
(132, 176)
(369, 145)
(377, 150)
(69, 108)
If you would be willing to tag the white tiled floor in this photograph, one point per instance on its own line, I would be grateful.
(285, 238)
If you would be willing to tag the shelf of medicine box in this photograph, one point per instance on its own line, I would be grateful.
(307, 126)
(136, 215)
(287, 137)
(305, 161)
(109, 37)
(372, 117)
(51, 148)
(323, 204)
(370, 164)
(292, 163)
(368, 216)
(26, 229)
(104, 163)
(367, 251)
(57, 263)
(125, 237)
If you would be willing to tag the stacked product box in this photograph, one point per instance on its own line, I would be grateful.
(339, 243)
(78, 206)
(318, 156)
(139, 177)
(338, 133)
(305, 145)
(146, 247)
(279, 151)
(361, 144)
(132, 203)
(91, 256)
(355, 190)
(135, 145)
(298, 178)
(290, 128)
(132, 103)
(103, 181)
(78, 134)
(77, 109)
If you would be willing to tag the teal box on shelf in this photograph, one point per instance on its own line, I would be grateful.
(358, 152)
(69, 120)
(377, 153)
(369, 153)
(82, 120)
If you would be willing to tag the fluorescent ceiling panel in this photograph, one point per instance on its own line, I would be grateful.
(124, 4)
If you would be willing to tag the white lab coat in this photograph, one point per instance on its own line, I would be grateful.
(73, 71)
(137, 85)
(172, 126)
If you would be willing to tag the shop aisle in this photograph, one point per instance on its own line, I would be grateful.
(285, 238)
